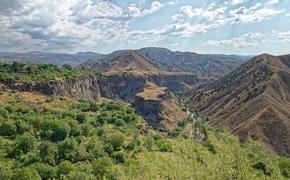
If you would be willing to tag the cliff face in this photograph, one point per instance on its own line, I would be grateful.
(126, 85)
(159, 107)
(87, 88)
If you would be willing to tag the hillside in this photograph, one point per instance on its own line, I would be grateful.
(253, 101)
(56, 137)
(127, 60)
(206, 65)
(160, 59)
(49, 58)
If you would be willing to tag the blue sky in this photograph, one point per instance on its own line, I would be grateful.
(203, 26)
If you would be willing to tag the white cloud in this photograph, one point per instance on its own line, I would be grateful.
(244, 40)
(274, 1)
(211, 13)
(236, 2)
(253, 14)
(280, 37)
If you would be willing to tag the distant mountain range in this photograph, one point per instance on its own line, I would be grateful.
(252, 101)
(161, 59)
(47, 58)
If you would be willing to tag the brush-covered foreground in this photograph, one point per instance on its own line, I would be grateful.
(60, 138)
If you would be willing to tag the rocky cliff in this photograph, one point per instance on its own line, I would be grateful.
(87, 87)
(159, 107)
(127, 84)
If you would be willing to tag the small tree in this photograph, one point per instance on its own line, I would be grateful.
(117, 141)
(26, 174)
(8, 129)
(65, 168)
(102, 168)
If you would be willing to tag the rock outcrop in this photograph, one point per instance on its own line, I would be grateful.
(159, 107)
(88, 88)
(127, 84)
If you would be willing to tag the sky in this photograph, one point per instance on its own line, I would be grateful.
(248, 27)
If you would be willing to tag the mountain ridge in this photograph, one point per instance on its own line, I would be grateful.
(253, 101)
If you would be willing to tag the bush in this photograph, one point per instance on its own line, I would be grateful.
(117, 141)
(149, 143)
(45, 171)
(65, 168)
(55, 130)
(68, 149)
(263, 167)
(4, 113)
(48, 152)
(119, 157)
(284, 165)
(164, 146)
(81, 118)
(23, 127)
(25, 144)
(119, 122)
(26, 174)
(102, 168)
(210, 147)
(8, 129)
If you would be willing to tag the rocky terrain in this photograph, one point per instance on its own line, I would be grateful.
(159, 107)
(253, 101)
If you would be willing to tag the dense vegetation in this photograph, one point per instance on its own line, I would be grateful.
(60, 138)
(38, 72)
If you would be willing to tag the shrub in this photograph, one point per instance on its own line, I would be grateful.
(119, 157)
(25, 144)
(284, 165)
(119, 122)
(81, 118)
(102, 168)
(45, 171)
(263, 167)
(68, 149)
(4, 113)
(23, 127)
(8, 129)
(65, 168)
(149, 143)
(117, 141)
(55, 130)
(210, 147)
(48, 152)
(26, 174)
(164, 146)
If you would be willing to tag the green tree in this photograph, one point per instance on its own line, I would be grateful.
(48, 152)
(26, 174)
(117, 141)
(81, 118)
(65, 168)
(68, 149)
(45, 171)
(8, 128)
(25, 144)
(102, 168)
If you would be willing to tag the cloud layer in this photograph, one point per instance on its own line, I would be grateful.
(75, 25)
